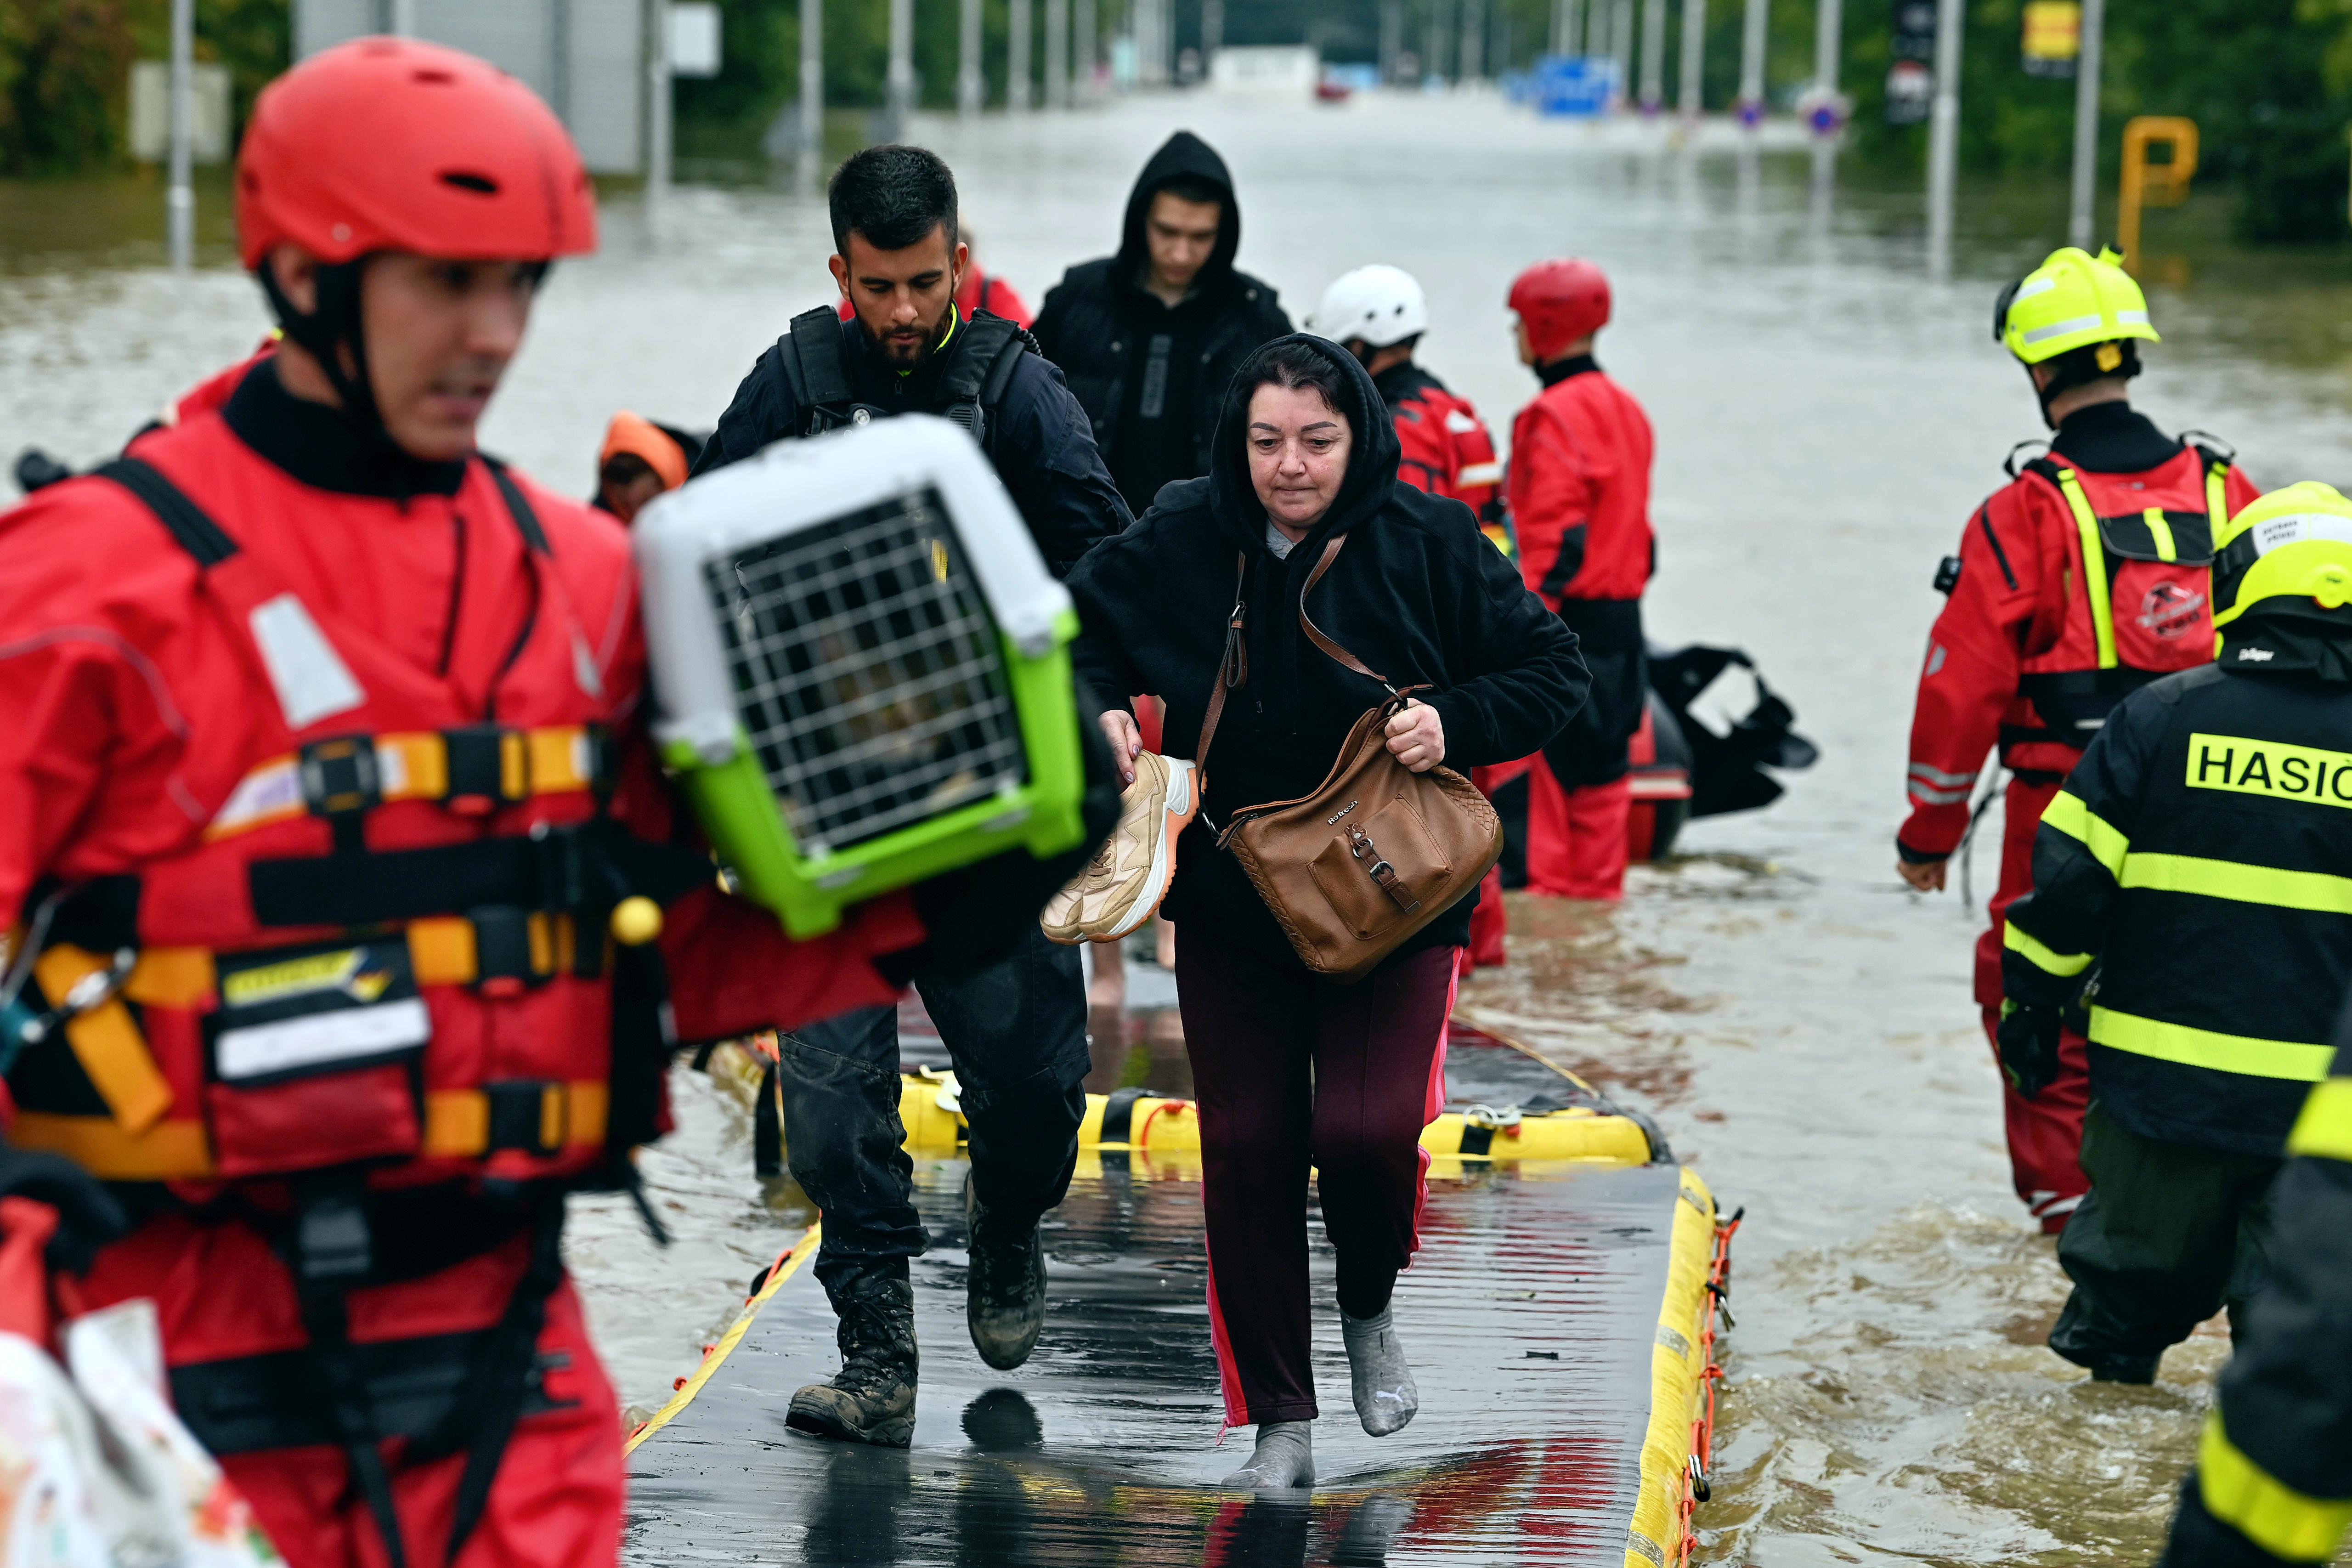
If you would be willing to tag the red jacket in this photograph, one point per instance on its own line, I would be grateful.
(1580, 486)
(151, 735)
(2014, 659)
(1448, 450)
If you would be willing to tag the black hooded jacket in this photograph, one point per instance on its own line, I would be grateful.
(1418, 593)
(1103, 327)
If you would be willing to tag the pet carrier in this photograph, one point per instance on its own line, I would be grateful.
(862, 665)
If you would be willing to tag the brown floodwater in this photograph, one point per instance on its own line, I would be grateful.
(1827, 415)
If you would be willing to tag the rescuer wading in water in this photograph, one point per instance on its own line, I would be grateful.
(2023, 658)
(2187, 884)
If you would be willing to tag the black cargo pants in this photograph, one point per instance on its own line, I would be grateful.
(1017, 1033)
(2169, 1233)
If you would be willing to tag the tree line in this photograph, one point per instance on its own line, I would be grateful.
(2268, 82)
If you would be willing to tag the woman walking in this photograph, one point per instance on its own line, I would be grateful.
(1291, 1071)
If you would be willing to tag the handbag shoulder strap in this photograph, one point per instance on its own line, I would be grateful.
(1315, 633)
(1232, 669)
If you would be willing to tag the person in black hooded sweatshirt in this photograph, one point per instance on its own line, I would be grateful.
(1290, 1070)
(1149, 338)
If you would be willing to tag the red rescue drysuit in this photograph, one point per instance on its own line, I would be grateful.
(1579, 498)
(1448, 451)
(346, 749)
(2023, 658)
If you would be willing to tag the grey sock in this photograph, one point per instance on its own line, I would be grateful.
(1283, 1460)
(1378, 1374)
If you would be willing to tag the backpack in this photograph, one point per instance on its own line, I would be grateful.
(811, 354)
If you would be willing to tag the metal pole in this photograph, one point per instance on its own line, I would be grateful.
(1212, 26)
(1690, 91)
(1751, 57)
(1434, 65)
(1058, 54)
(1083, 52)
(403, 18)
(1473, 39)
(658, 106)
(812, 77)
(972, 87)
(899, 84)
(2083, 210)
(1654, 55)
(1016, 63)
(1943, 136)
(1621, 47)
(1596, 28)
(1829, 23)
(1391, 36)
(1054, 92)
(180, 202)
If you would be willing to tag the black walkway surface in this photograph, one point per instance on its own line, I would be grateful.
(1530, 1315)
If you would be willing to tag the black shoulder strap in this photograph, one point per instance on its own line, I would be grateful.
(2046, 467)
(526, 520)
(196, 533)
(810, 352)
(975, 383)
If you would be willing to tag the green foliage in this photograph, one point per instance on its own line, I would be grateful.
(2269, 83)
(65, 71)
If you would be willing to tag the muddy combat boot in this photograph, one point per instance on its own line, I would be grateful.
(1283, 1460)
(872, 1398)
(1377, 1375)
(1004, 1299)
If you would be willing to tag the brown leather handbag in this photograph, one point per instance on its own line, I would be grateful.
(1374, 855)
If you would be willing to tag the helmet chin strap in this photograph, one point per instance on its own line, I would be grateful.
(333, 326)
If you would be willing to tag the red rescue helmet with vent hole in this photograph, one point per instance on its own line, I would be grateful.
(395, 144)
(1559, 302)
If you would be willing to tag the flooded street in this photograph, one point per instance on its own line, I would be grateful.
(1826, 415)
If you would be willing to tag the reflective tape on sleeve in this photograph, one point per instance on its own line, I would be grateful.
(2275, 1517)
(2324, 1128)
(2300, 1061)
(2050, 961)
(2071, 816)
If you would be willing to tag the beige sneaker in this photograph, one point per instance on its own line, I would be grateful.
(1122, 885)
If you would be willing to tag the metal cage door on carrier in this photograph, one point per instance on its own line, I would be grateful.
(862, 665)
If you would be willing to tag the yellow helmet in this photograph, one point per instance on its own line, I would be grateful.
(2073, 300)
(2291, 549)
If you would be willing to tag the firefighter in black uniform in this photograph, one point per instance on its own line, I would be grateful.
(2273, 1476)
(2191, 888)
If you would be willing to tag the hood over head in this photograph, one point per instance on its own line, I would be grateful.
(1372, 456)
(1182, 155)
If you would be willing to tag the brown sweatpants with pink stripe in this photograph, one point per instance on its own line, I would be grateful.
(1291, 1072)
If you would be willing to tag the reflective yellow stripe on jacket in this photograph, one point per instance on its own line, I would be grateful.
(2108, 846)
(2065, 965)
(2296, 1060)
(2095, 568)
(2275, 1517)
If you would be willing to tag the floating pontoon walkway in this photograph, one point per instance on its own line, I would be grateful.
(1560, 1317)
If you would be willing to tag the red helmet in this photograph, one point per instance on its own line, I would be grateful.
(393, 144)
(1560, 301)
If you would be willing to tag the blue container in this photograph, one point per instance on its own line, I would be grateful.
(1580, 86)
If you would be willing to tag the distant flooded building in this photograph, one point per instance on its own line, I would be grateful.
(586, 58)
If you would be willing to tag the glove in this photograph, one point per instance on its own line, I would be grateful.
(2028, 1038)
(87, 1216)
(978, 914)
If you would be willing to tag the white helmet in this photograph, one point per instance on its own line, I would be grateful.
(1382, 305)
